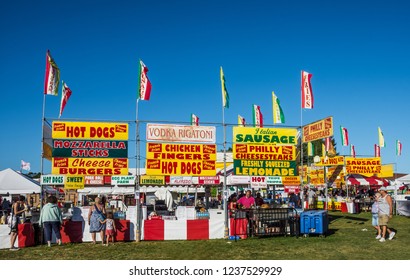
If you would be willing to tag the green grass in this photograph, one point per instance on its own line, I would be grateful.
(350, 237)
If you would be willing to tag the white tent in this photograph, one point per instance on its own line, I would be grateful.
(405, 179)
(12, 182)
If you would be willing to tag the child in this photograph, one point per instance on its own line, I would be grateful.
(109, 227)
(375, 215)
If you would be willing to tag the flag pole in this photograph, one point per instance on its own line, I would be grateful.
(225, 192)
(225, 103)
(42, 150)
(395, 183)
(137, 178)
(301, 149)
(137, 165)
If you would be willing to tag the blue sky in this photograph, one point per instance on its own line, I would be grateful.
(357, 51)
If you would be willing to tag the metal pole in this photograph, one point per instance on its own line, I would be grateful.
(137, 180)
(225, 191)
(301, 156)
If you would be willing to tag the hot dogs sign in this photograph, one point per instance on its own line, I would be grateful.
(90, 148)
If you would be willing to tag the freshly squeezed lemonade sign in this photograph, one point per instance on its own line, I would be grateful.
(90, 130)
(181, 159)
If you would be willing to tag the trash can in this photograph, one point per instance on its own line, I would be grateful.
(314, 222)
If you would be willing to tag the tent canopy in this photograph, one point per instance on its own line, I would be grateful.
(405, 179)
(12, 182)
(360, 180)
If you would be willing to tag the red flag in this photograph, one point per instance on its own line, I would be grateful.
(352, 151)
(144, 88)
(52, 76)
(66, 93)
(376, 150)
(307, 94)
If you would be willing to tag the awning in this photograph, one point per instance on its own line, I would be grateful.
(360, 180)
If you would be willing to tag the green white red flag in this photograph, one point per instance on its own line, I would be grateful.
(65, 95)
(257, 116)
(194, 120)
(52, 76)
(399, 147)
(278, 116)
(144, 87)
(345, 136)
(307, 93)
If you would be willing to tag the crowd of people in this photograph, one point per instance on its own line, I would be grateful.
(51, 220)
(101, 221)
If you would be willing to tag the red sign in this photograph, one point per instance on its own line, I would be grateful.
(292, 189)
(94, 180)
(208, 180)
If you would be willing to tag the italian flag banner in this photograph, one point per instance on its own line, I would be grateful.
(144, 88)
(52, 76)
(398, 148)
(241, 121)
(278, 116)
(307, 93)
(225, 95)
(257, 116)
(352, 151)
(66, 93)
(194, 120)
(345, 136)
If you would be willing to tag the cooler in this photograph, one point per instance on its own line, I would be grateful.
(314, 222)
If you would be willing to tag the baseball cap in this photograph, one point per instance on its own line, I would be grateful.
(383, 189)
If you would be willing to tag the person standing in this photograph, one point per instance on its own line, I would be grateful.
(247, 201)
(259, 200)
(95, 215)
(375, 215)
(385, 214)
(17, 210)
(110, 228)
(51, 219)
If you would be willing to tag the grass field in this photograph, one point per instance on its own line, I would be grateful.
(350, 237)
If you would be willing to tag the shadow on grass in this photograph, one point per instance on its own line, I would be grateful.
(333, 218)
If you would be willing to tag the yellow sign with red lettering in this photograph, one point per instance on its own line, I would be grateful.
(264, 152)
(89, 130)
(328, 161)
(363, 166)
(291, 180)
(318, 130)
(90, 166)
(181, 159)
